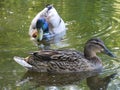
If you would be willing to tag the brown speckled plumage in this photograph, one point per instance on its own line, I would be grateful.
(59, 61)
(63, 61)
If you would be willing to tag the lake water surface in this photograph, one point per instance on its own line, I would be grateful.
(84, 18)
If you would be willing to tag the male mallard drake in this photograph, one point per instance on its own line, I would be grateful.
(66, 60)
(46, 24)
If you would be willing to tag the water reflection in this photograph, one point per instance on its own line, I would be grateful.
(97, 83)
(67, 81)
(53, 79)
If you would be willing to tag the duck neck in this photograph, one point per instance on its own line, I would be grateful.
(91, 56)
(88, 53)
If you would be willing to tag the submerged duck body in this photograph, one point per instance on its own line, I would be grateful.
(46, 24)
(63, 61)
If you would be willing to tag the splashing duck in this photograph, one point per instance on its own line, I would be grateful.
(62, 61)
(46, 24)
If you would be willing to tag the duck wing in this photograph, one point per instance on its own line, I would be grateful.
(56, 55)
(57, 61)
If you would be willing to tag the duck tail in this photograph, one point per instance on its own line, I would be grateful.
(22, 62)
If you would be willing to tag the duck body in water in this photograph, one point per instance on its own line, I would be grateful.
(63, 61)
(46, 24)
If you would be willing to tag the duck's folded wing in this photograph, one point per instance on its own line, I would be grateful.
(58, 55)
(58, 61)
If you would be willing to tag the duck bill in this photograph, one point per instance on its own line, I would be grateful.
(108, 52)
(40, 34)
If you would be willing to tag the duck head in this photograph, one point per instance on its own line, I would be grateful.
(42, 27)
(95, 45)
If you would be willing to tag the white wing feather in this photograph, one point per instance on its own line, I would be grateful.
(21, 61)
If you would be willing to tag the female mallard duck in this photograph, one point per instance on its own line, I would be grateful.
(66, 60)
(46, 24)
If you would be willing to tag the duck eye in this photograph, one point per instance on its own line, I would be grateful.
(98, 43)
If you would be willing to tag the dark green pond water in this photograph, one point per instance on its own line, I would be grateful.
(85, 19)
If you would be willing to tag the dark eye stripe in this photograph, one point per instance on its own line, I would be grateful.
(100, 44)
